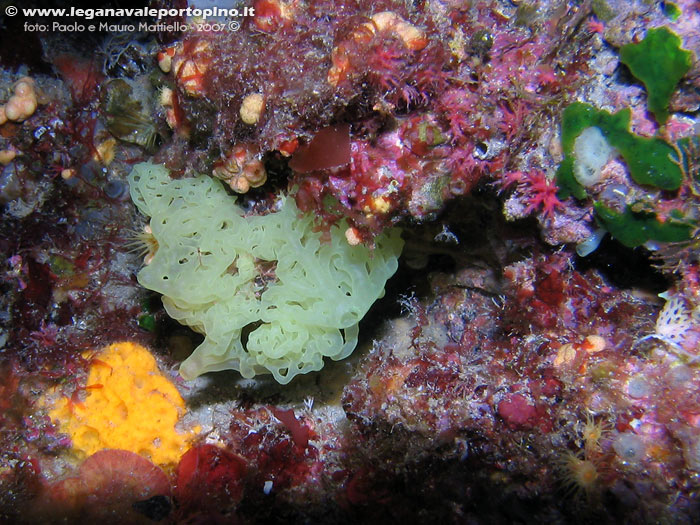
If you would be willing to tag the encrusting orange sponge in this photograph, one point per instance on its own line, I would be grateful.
(129, 405)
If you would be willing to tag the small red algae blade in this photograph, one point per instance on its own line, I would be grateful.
(330, 148)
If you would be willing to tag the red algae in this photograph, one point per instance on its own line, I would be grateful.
(282, 460)
(109, 487)
(300, 432)
(330, 148)
(82, 75)
(209, 479)
(517, 411)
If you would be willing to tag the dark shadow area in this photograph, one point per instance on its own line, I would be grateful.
(624, 267)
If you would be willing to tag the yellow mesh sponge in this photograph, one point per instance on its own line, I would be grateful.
(129, 405)
(268, 293)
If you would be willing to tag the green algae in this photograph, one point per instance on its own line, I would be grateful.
(671, 10)
(634, 228)
(147, 322)
(659, 62)
(650, 160)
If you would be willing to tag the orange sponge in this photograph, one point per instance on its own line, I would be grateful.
(130, 405)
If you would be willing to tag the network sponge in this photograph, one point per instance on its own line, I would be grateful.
(266, 291)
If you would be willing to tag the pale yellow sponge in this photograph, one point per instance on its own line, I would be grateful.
(270, 293)
(129, 405)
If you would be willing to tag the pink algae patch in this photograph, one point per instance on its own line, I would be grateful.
(109, 487)
(517, 411)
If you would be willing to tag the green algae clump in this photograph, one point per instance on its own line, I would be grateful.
(672, 11)
(269, 295)
(634, 228)
(651, 161)
(659, 62)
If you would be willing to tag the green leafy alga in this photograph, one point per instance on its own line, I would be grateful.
(650, 160)
(634, 228)
(671, 10)
(659, 62)
(147, 322)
